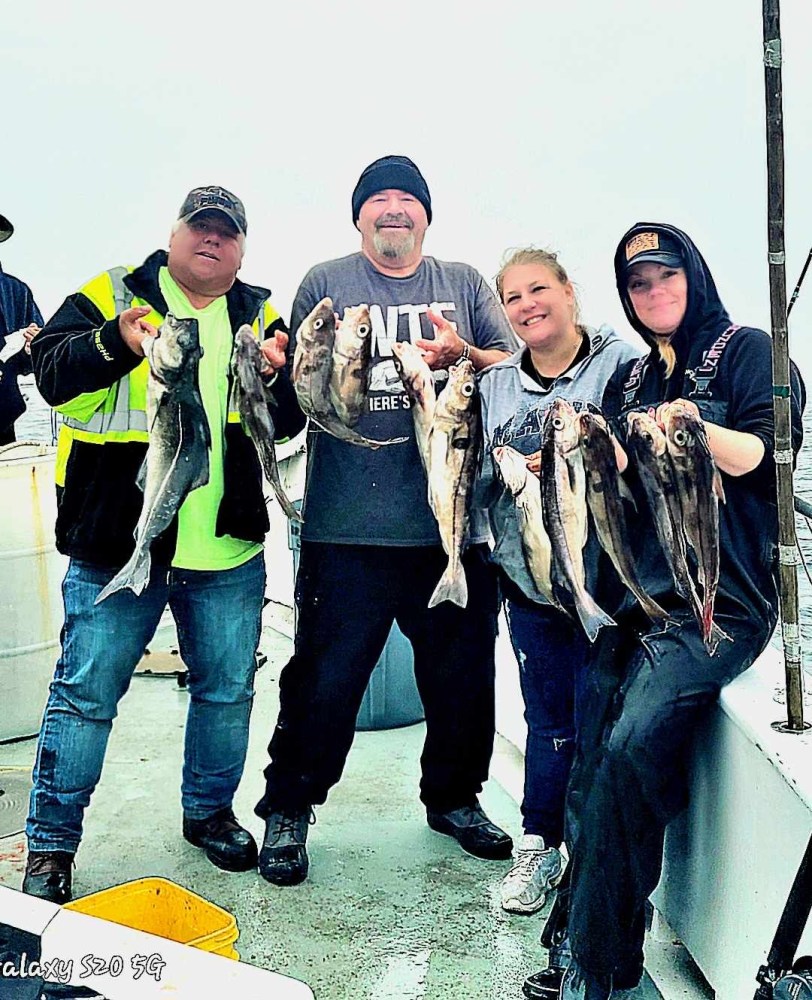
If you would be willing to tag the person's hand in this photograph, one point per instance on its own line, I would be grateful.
(533, 463)
(447, 345)
(685, 404)
(28, 335)
(273, 352)
(133, 328)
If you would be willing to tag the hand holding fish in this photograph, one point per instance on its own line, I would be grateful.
(274, 352)
(447, 347)
(685, 405)
(133, 328)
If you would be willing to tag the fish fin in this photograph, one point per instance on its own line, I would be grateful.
(718, 488)
(141, 478)
(592, 617)
(625, 492)
(452, 587)
(652, 608)
(134, 574)
(713, 639)
(287, 506)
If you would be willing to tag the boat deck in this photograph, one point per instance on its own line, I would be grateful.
(391, 910)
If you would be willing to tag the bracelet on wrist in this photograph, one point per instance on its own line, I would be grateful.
(465, 355)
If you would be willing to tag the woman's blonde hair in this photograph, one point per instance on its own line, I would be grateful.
(534, 255)
(667, 353)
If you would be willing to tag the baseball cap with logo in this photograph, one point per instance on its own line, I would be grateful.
(6, 229)
(653, 247)
(214, 199)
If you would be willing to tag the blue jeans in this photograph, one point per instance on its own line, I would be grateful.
(551, 650)
(218, 617)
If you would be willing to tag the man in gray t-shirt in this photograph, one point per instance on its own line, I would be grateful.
(371, 552)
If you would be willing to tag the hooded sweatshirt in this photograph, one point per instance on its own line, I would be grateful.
(727, 373)
(513, 409)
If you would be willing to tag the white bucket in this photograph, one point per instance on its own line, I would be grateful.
(31, 573)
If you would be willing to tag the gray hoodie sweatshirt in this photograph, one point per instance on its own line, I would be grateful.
(513, 408)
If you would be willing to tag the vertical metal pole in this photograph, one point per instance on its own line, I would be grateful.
(788, 556)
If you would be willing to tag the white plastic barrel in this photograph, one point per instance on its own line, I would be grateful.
(31, 572)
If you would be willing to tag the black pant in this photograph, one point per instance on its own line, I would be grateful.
(347, 597)
(644, 697)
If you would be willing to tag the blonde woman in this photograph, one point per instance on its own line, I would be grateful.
(559, 357)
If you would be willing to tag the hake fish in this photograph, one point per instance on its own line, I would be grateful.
(647, 445)
(604, 493)
(453, 452)
(699, 486)
(252, 401)
(524, 487)
(312, 372)
(418, 381)
(352, 353)
(563, 496)
(177, 459)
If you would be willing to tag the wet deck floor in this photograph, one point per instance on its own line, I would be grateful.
(391, 910)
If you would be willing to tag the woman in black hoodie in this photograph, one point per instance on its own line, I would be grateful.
(649, 686)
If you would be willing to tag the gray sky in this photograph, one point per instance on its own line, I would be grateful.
(559, 124)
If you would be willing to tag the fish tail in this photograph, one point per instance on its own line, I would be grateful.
(134, 574)
(652, 608)
(714, 638)
(591, 616)
(292, 512)
(712, 635)
(453, 586)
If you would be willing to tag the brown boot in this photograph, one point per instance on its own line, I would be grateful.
(48, 875)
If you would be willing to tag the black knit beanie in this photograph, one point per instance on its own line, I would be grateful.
(396, 172)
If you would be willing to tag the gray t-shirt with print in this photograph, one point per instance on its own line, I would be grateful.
(358, 495)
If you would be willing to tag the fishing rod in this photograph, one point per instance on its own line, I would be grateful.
(800, 282)
(776, 256)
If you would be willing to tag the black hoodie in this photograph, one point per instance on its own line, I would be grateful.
(734, 390)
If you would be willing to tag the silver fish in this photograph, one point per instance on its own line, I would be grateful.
(563, 496)
(312, 368)
(177, 459)
(453, 452)
(647, 446)
(699, 486)
(352, 353)
(418, 381)
(253, 400)
(524, 487)
(605, 490)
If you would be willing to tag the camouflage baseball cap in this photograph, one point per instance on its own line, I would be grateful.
(217, 199)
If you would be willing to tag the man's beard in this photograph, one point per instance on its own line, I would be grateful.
(393, 244)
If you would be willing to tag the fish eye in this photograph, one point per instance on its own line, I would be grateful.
(467, 389)
(363, 330)
(319, 323)
(681, 438)
(558, 423)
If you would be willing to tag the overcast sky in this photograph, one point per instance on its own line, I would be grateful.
(558, 124)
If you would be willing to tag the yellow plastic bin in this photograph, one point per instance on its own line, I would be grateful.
(161, 907)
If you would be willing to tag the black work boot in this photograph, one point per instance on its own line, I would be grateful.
(227, 844)
(473, 831)
(48, 875)
(283, 858)
(546, 985)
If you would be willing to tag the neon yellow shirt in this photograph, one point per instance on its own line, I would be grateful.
(198, 547)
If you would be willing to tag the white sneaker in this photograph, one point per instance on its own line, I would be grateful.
(537, 870)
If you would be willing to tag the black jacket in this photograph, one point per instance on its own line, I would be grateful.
(80, 351)
(735, 393)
